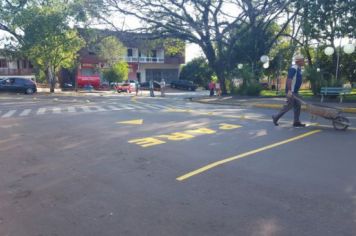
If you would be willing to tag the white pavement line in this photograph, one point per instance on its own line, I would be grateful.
(136, 106)
(71, 109)
(161, 106)
(154, 107)
(41, 111)
(86, 109)
(127, 107)
(26, 112)
(99, 108)
(56, 110)
(114, 108)
(9, 114)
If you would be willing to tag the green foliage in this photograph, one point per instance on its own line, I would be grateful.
(48, 42)
(197, 71)
(111, 50)
(250, 85)
(250, 89)
(117, 72)
(173, 47)
(315, 77)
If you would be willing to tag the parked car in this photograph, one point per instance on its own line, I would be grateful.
(133, 83)
(18, 85)
(67, 86)
(146, 86)
(183, 84)
(125, 87)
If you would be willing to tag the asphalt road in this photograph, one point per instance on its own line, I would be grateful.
(119, 165)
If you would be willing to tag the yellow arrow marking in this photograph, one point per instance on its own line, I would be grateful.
(131, 122)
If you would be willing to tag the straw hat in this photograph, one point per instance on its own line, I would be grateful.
(298, 57)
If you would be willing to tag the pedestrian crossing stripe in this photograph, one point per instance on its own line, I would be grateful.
(26, 112)
(9, 114)
(41, 111)
(85, 109)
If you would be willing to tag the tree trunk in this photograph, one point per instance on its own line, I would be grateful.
(50, 78)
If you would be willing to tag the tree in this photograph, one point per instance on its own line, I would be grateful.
(48, 42)
(39, 31)
(111, 50)
(209, 24)
(118, 72)
(197, 71)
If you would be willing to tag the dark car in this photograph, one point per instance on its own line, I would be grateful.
(146, 86)
(18, 85)
(184, 84)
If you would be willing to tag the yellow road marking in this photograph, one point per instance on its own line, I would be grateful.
(225, 126)
(176, 136)
(218, 163)
(201, 131)
(131, 122)
(147, 142)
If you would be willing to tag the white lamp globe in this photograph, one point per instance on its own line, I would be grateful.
(264, 59)
(240, 66)
(329, 51)
(266, 65)
(349, 48)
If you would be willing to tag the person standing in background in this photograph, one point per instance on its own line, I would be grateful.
(163, 87)
(152, 93)
(211, 86)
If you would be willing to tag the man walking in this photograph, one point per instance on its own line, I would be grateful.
(294, 81)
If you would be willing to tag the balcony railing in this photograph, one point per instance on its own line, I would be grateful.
(144, 59)
(8, 71)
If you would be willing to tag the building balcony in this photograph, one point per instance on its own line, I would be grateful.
(12, 72)
(144, 59)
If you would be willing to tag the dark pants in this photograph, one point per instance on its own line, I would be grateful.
(291, 103)
(211, 92)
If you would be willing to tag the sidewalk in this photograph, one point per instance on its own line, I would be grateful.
(272, 103)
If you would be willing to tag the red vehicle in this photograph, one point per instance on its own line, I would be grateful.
(126, 87)
(88, 75)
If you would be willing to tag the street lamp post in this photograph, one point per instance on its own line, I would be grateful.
(348, 48)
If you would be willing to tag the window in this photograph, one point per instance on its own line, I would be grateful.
(129, 52)
(3, 63)
(87, 71)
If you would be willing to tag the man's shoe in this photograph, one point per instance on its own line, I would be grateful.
(298, 124)
(274, 119)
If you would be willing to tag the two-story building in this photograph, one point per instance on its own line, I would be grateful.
(15, 67)
(145, 63)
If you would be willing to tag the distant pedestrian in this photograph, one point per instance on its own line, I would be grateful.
(137, 87)
(218, 89)
(163, 87)
(211, 86)
(152, 93)
(294, 81)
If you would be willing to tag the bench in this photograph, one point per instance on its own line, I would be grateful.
(334, 91)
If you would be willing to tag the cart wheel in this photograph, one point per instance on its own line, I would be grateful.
(341, 123)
